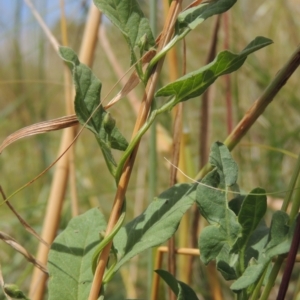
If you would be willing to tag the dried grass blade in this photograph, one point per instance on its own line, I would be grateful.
(13, 243)
(39, 128)
(132, 82)
(134, 79)
(22, 221)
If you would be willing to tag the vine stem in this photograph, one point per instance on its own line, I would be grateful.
(295, 207)
(141, 119)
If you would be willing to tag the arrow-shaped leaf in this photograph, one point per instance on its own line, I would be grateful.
(194, 16)
(252, 211)
(195, 83)
(156, 224)
(87, 100)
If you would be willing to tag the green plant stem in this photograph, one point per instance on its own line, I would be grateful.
(122, 177)
(245, 124)
(111, 167)
(256, 292)
(242, 295)
(163, 52)
(294, 211)
(242, 260)
(296, 198)
(280, 259)
(107, 240)
(287, 198)
(272, 278)
(140, 133)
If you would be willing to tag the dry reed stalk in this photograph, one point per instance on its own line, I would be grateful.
(264, 100)
(60, 177)
(194, 252)
(211, 270)
(177, 133)
(141, 178)
(129, 283)
(155, 281)
(204, 150)
(182, 251)
(228, 94)
(175, 155)
(52, 216)
(69, 96)
(184, 226)
(141, 119)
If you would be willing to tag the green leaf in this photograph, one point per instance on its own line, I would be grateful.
(180, 289)
(156, 224)
(216, 240)
(194, 16)
(130, 20)
(250, 276)
(280, 238)
(195, 83)
(220, 157)
(252, 211)
(187, 21)
(226, 261)
(211, 201)
(257, 242)
(279, 228)
(70, 257)
(214, 237)
(87, 100)
(88, 88)
(280, 235)
(211, 242)
(235, 204)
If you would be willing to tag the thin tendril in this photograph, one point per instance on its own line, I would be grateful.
(224, 190)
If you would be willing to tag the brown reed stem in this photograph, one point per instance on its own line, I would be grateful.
(141, 119)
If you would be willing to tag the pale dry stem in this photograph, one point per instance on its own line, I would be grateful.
(59, 182)
(141, 119)
(22, 221)
(14, 244)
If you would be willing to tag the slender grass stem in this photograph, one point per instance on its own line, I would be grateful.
(295, 208)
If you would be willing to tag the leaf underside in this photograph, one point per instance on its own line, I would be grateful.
(70, 257)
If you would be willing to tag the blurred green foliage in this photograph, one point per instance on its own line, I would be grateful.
(31, 90)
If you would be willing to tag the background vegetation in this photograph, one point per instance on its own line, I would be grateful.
(32, 90)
